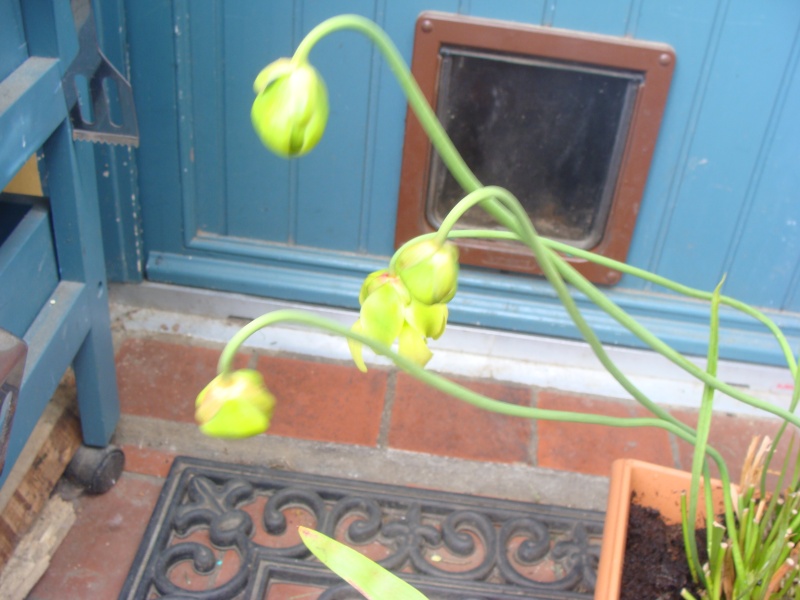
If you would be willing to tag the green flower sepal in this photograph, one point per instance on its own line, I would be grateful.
(235, 405)
(429, 270)
(290, 111)
(389, 313)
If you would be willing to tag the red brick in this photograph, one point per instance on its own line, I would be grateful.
(323, 401)
(146, 461)
(426, 420)
(95, 557)
(161, 380)
(592, 448)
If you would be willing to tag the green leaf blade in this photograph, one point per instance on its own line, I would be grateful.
(364, 574)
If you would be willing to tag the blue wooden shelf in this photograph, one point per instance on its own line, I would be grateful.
(52, 272)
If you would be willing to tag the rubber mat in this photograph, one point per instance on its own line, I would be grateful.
(229, 532)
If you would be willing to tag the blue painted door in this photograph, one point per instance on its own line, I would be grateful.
(220, 212)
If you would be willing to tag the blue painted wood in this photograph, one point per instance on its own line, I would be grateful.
(712, 200)
(50, 30)
(610, 17)
(735, 82)
(70, 183)
(13, 50)
(260, 189)
(525, 11)
(116, 165)
(398, 21)
(329, 189)
(690, 28)
(152, 58)
(26, 255)
(200, 49)
(72, 326)
(120, 212)
(764, 263)
(53, 339)
(534, 305)
(31, 105)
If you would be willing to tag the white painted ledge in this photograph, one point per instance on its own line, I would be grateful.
(544, 362)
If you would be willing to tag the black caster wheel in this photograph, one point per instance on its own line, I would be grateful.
(96, 470)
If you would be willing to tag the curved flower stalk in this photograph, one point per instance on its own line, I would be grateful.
(407, 302)
(224, 366)
(416, 100)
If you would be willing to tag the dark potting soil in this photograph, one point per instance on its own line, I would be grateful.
(655, 560)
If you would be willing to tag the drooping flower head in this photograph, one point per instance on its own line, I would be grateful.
(291, 107)
(429, 270)
(234, 405)
(389, 313)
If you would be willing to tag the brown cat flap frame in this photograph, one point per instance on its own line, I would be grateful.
(561, 81)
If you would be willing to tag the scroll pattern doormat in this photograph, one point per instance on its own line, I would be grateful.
(229, 532)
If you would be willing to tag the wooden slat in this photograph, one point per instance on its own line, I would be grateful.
(36, 548)
(31, 107)
(41, 464)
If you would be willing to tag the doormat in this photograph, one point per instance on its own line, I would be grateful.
(229, 532)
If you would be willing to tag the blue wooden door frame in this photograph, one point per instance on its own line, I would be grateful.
(72, 327)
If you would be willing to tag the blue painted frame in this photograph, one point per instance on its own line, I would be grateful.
(72, 324)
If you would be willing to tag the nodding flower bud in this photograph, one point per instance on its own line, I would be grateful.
(234, 405)
(429, 270)
(389, 313)
(291, 107)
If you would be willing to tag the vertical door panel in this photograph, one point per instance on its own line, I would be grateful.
(737, 104)
(690, 28)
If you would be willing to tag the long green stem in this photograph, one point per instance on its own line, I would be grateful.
(470, 183)
(470, 200)
(480, 401)
(225, 365)
(416, 100)
(604, 303)
(685, 290)
(549, 262)
(703, 429)
(627, 269)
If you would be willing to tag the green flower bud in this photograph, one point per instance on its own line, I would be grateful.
(429, 271)
(389, 313)
(234, 405)
(382, 312)
(378, 279)
(413, 345)
(290, 111)
(428, 319)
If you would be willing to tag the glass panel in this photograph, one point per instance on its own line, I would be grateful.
(553, 133)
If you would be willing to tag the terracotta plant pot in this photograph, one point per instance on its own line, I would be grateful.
(652, 486)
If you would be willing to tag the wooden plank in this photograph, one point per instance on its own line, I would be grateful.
(27, 254)
(33, 554)
(41, 464)
(31, 107)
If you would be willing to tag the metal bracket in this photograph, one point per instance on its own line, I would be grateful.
(99, 98)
